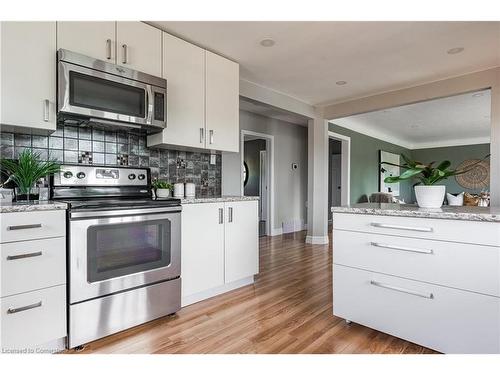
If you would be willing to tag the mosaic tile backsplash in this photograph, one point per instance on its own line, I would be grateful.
(69, 144)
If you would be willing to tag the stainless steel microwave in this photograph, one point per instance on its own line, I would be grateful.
(109, 94)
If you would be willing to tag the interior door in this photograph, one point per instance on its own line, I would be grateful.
(202, 247)
(241, 240)
(336, 175)
(138, 46)
(94, 39)
(263, 191)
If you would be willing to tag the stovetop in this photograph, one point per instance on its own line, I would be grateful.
(118, 203)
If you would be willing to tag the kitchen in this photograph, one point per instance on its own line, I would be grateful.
(123, 199)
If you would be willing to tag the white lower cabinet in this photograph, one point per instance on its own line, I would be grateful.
(220, 249)
(411, 278)
(445, 319)
(202, 247)
(33, 281)
(241, 240)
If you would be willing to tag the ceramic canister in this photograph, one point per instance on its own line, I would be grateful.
(190, 190)
(179, 190)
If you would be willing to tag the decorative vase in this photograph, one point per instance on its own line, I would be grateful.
(162, 193)
(430, 196)
(27, 195)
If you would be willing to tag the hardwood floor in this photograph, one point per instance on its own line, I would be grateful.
(287, 310)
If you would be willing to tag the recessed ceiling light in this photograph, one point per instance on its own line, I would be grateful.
(267, 42)
(340, 83)
(454, 51)
(477, 94)
(414, 126)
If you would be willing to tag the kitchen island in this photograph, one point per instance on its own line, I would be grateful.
(427, 276)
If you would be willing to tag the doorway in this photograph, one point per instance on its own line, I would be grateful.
(257, 174)
(339, 171)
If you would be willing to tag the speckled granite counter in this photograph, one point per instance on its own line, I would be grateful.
(489, 214)
(32, 206)
(218, 199)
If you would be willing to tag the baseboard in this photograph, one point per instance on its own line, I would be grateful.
(317, 240)
(197, 297)
(279, 231)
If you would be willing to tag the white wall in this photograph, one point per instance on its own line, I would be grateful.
(290, 187)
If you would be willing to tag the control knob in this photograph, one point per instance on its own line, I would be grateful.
(141, 176)
(131, 176)
(67, 174)
(80, 175)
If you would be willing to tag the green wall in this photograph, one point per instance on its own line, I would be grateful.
(365, 157)
(456, 155)
(364, 164)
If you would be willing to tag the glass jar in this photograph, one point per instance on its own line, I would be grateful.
(27, 195)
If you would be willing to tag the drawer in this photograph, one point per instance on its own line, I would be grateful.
(470, 267)
(30, 265)
(447, 320)
(21, 226)
(482, 233)
(42, 320)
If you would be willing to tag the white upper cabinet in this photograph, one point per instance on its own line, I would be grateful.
(94, 39)
(241, 238)
(203, 99)
(184, 70)
(28, 75)
(138, 47)
(222, 103)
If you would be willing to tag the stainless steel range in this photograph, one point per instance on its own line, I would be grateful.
(124, 250)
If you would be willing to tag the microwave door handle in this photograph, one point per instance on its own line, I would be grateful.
(149, 104)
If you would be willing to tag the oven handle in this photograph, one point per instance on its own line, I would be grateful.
(130, 212)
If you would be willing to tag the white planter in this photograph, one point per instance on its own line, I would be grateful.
(162, 193)
(430, 196)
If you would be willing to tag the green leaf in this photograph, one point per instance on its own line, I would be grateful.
(444, 165)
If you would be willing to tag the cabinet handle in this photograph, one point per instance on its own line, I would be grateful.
(46, 109)
(230, 219)
(402, 248)
(211, 135)
(221, 216)
(401, 227)
(27, 226)
(124, 60)
(108, 49)
(24, 308)
(22, 256)
(202, 135)
(402, 290)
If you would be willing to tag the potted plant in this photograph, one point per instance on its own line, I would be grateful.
(162, 188)
(427, 192)
(26, 171)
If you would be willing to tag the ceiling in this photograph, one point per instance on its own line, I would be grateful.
(273, 112)
(308, 58)
(456, 120)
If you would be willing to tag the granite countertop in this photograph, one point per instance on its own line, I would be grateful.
(31, 206)
(471, 213)
(226, 198)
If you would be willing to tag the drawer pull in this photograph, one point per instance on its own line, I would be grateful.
(27, 226)
(402, 248)
(402, 290)
(22, 256)
(401, 227)
(24, 308)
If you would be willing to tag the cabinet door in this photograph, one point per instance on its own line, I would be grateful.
(139, 47)
(94, 39)
(222, 103)
(202, 247)
(28, 74)
(241, 240)
(184, 70)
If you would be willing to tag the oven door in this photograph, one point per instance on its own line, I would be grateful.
(95, 94)
(109, 253)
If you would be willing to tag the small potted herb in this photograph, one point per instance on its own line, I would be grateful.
(26, 171)
(427, 192)
(162, 188)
